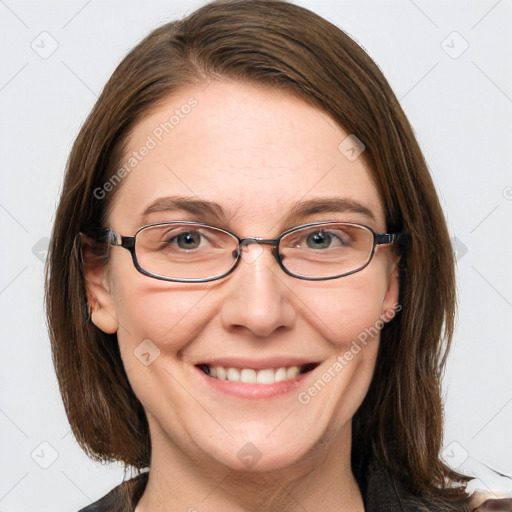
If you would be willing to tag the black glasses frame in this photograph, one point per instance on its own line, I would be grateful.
(128, 242)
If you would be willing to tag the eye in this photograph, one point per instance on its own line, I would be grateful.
(319, 240)
(187, 241)
(174, 238)
(327, 238)
(184, 240)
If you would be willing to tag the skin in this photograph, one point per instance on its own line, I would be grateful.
(255, 151)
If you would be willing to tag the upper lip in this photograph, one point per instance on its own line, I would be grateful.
(258, 364)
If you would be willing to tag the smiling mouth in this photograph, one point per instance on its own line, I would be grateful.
(252, 376)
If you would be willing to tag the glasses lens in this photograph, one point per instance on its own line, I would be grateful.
(327, 250)
(184, 251)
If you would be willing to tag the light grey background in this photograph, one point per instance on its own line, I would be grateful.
(459, 101)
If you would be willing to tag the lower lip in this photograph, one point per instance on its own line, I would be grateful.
(253, 391)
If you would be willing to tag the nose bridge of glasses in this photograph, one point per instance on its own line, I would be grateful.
(273, 242)
(256, 240)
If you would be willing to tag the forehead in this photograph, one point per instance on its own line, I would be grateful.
(254, 151)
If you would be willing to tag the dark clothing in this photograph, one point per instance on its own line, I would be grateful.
(380, 492)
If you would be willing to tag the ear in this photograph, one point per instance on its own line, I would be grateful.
(390, 305)
(99, 297)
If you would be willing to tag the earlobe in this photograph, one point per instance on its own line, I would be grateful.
(104, 320)
(99, 298)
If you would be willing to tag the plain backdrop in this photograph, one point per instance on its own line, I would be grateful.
(448, 63)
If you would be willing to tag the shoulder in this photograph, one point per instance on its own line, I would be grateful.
(122, 498)
(384, 493)
(488, 504)
(381, 493)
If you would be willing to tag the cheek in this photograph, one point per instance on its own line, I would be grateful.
(156, 322)
(168, 314)
(169, 317)
(348, 308)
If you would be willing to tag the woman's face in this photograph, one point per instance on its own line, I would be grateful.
(256, 153)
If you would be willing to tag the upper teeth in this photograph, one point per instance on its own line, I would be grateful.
(250, 376)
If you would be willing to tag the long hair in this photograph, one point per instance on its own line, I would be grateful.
(279, 45)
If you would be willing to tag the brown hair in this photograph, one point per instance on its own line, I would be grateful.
(280, 45)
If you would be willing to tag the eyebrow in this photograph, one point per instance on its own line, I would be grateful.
(299, 209)
(198, 207)
(329, 205)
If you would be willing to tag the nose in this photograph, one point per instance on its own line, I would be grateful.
(257, 296)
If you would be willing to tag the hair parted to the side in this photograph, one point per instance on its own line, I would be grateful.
(281, 45)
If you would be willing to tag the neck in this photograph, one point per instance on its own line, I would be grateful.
(322, 480)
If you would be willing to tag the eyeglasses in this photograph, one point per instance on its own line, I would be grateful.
(196, 252)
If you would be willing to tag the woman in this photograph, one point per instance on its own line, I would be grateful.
(301, 376)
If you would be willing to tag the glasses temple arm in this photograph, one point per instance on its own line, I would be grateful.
(391, 238)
